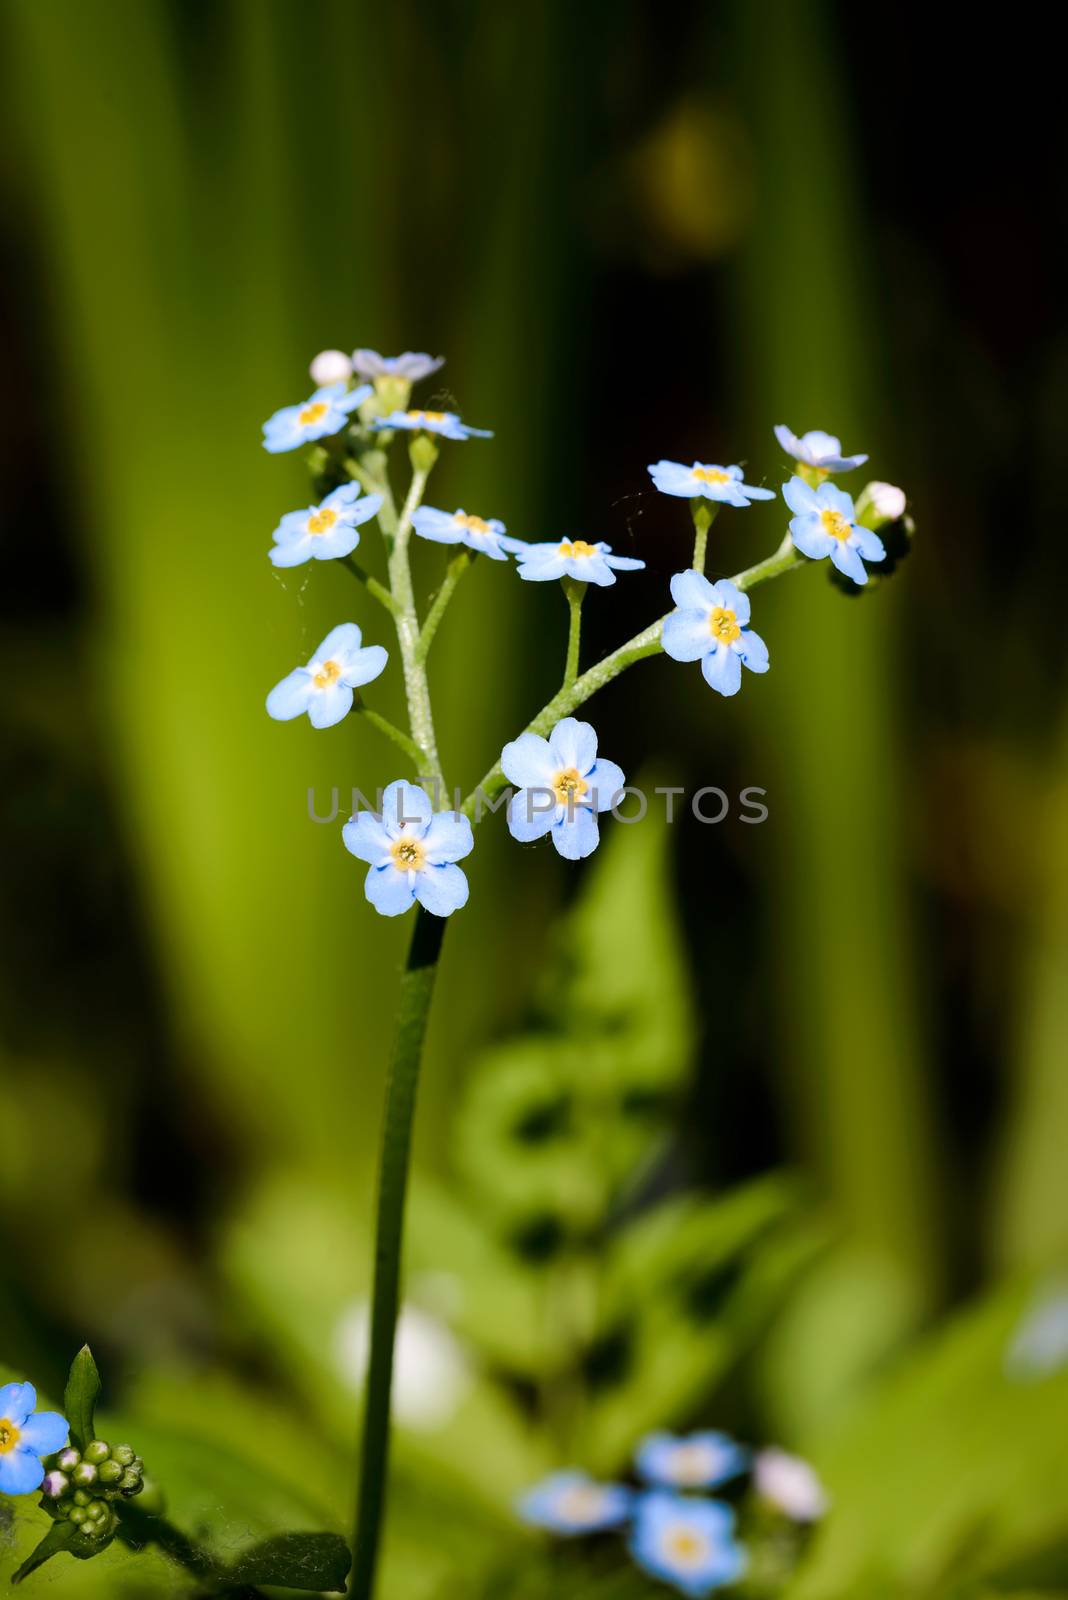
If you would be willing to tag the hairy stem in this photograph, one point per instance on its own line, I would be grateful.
(417, 987)
(376, 590)
(453, 573)
(647, 643)
(703, 517)
(391, 731)
(576, 593)
(416, 689)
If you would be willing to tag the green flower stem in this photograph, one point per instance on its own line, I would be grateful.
(391, 731)
(703, 517)
(646, 643)
(376, 590)
(453, 573)
(407, 623)
(417, 987)
(576, 593)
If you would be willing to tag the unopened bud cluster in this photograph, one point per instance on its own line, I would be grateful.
(80, 1484)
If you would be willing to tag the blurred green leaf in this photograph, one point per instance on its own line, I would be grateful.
(80, 1397)
(62, 1537)
(312, 1561)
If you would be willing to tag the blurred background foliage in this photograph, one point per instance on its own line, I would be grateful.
(762, 1126)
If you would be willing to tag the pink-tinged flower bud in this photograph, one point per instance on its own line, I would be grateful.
(331, 366)
(55, 1484)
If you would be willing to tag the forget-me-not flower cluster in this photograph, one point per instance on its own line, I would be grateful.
(411, 852)
(324, 688)
(326, 531)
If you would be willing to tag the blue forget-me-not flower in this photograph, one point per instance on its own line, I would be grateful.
(457, 527)
(571, 1503)
(324, 688)
(26, 1435)
(710, 626)
(411, 366)
(562, 786)
(574, 558)
(445, 423)
(325, 412)
(325, 531)
(816, 449)
(411, 852)
(697, 1461)
(687, 1543)
(724, 484)
(825, 524)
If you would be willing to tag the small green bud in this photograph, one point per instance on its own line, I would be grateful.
(110, 1471)
(68, 1459)
(123, 1454)
(131, 1481)
(61, 1510)
(423, 452)
(97, 1452)
(84, 1474)
(77, 1515)
(81, 1497)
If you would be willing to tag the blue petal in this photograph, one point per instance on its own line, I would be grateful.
(671, 477)
(528, 761)
(341, 541)
(754, 493)
(346, 495)
(819, 445)
(686, 635)
(44, 1432)
(339, 641)
(576, 834)
(289, 698)
(532, 811)
(389, 891)
(723, 670)
(293, 553)
(327, 707)
(448, 838)
(811, 538)
(406, 806)
(590, 569)
(574, 744)
(440, 526)
(625, 563)
(801, 498)
(834, 499)
(868, 543)
(365, 838)
(733, 599)
(21, 1471)
(17, 1400)
(753, 651)
(788, 440)
(540, 566)
(847, 560)
(692, 589)
(442, 890)
(605, 780)
(364, 666)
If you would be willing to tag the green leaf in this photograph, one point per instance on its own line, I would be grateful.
(80, 1397)
(311, 1561)
(61, 1537)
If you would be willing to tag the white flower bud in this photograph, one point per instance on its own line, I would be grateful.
(330, 366)
(790, 1484)
(887, 501)
(55, 1484)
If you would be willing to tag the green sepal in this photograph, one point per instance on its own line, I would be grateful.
(311, 1561)
(80, 1397)
(61, 1537)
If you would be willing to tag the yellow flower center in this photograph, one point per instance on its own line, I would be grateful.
(408, 854)
(322, 521)
(711, 475)
(327, 674)
(723, 624)
(427, 416)
(581, 1503)
(835, 524)
(577, 547)
(684, 1547)
(568, 787)
(9, 1435)
(472, 524)
(315, 412)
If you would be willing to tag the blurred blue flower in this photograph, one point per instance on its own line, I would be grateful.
(696, 1461)
(825, 524)
(324, 687)
(562, 786)
(325, 412)
(687, 1543)
(26, 1435)
(710, 627)
(713, 483)
(445, 423)
(571, 1503)
(412, 365)
(411, 853)
(1039, 1345)
(457, 527)
(574, 558)
(325, 531)
(816, 449)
